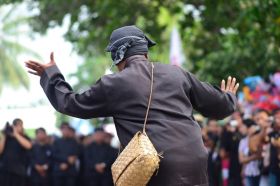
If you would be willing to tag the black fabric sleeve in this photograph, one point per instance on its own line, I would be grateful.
(210, 100)
(89, 104)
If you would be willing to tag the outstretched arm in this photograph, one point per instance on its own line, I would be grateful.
(213, 101)
(89, 104)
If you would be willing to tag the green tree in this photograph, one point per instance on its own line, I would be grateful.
(238, 37)
(11, 72)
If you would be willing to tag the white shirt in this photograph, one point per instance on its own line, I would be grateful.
(251, 168)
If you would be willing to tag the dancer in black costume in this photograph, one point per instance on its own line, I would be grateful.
(124, 95)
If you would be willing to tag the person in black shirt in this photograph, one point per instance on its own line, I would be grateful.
(214, 161)
(112, 154)
(40, 159)
(65, 152)
(98, 160)
(230, 139)
(274, 167)
(14, 146)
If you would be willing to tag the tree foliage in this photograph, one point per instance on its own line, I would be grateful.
(238, 37)
(11, 72)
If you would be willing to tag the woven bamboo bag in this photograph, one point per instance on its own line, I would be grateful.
(139, 160)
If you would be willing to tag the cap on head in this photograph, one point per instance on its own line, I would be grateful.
(127, 41)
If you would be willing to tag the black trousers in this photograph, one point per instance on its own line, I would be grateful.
(10, 179)
(64, 180)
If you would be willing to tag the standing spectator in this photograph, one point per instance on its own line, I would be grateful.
(40, 159)
(214, 161)
(250, 161)
(274, 168)
(98, 160)
(65, 152)
(230, 139)
(14, 146)
(213, 127)
(258, 142)
(112, 154)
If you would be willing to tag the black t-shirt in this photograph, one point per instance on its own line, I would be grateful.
(274, 160)
(230, 142)
(14, 158)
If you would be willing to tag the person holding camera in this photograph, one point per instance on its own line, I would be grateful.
(230, 138)
(249, 161)
(14, 147)
(258, 142)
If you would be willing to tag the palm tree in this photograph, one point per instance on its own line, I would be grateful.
(11, 72)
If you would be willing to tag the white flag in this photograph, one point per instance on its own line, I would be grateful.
(176, 52)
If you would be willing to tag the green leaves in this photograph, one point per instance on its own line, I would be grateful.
(11, 72)
(239, 37)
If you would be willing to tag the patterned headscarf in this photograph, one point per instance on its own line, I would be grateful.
(127, 41)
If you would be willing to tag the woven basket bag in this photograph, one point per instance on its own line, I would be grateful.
(139, 160)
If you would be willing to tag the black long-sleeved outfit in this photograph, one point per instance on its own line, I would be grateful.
(40, 155)
(171, 126)
(98, 153)
(13, 163)
(61, 150)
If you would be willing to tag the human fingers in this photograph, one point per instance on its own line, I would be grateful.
(232, 84)
(52, 56)
(33, 72)
(235, 88)
(223, 85)
(228, 83)
(32, 66)
(35, 63)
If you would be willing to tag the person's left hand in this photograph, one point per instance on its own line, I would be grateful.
(37, 68)
(231, 85)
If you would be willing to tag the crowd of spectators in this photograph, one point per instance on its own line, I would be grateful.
(69, 160)
(244, 150)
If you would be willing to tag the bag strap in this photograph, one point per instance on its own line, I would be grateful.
(150, 99)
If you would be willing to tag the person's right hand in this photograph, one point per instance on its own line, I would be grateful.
(63, 166)
(231, 85)
(37, 68)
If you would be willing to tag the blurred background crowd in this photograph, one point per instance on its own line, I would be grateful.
(47, 160)
(244, 151)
